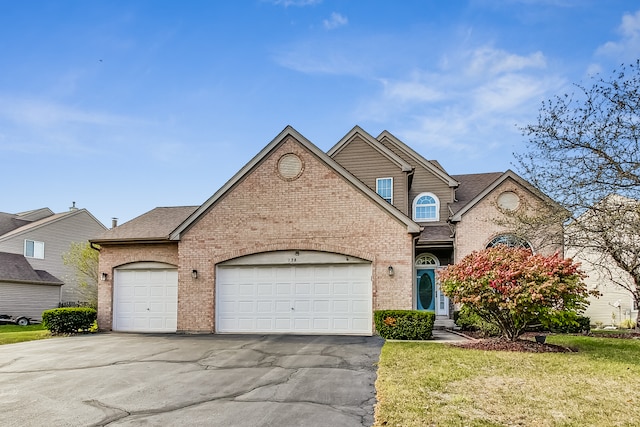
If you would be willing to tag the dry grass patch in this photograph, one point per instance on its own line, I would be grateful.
(425, 384)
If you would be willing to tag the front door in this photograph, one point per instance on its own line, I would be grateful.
(426, 289)
(430, 297)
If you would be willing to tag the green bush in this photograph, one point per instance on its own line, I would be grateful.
(69, 320)
(577, 325)
(404, 324)
(467, 320)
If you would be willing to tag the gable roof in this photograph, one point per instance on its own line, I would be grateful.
(34, 225)
(9, 222)
(35, 214)
(486, 183)
(470, 186)
(16, 268)
(289, 131)
(436, 169)
(155, 225)
(374, 143)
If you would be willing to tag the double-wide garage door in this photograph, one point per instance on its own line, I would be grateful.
(301, 299)
(145, 299)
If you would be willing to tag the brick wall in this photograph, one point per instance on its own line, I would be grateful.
(317, 211)
(113, 256)
(482, 223)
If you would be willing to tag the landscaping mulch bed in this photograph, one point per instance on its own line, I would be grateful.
(527, 343)
(521, 345)
(622, 335)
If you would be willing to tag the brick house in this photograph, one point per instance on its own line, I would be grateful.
(302, 241)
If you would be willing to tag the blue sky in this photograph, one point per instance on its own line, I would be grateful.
(122, 106)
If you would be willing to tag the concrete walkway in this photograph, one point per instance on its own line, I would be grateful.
(446, 336)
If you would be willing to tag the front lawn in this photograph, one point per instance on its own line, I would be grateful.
(433, 384)
(10, 334)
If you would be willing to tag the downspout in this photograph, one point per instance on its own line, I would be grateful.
(414, 297)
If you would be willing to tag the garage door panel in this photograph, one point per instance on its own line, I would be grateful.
(335, 299)
(247, 289)
(302, 306)
(264, 306)
(145, 300)
(322, 306)
(321, 289)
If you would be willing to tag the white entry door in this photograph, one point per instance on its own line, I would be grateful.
(145, 300)
(307, 299)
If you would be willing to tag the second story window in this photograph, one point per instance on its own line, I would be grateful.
(384, 187)
(34, 249)
(426, 207)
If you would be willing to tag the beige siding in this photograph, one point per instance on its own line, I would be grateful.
(424, 181)
(28, 300)
(614, 299)
(367, 164)
(57, 237)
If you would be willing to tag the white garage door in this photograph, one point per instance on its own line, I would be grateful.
(320, 299)
(145, 300)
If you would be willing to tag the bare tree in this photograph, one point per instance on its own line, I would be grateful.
(584, 153)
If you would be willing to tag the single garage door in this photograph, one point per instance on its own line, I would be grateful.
(145, 298)
(301, 299)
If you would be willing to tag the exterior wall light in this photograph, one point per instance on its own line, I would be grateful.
(103, 276)
(194, 273)
(391, 272)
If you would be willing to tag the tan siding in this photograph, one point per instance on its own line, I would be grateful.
(367, 164)
(424, 181)
(57, 237)
(29, 300)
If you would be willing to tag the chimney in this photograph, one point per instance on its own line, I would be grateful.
(114, 222)
(73, 207)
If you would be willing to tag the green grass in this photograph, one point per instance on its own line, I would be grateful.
(432, 384)
(10, 334)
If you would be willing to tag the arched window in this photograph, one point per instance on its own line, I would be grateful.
(426, 207)
(510, 240)
(427, 260)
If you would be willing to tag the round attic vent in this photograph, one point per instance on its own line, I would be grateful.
(290, 166)
(509, 201)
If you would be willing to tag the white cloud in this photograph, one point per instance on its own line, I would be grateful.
(628, 46)
(41, 113)
(494, 61)
(465, 101)
(336, 20)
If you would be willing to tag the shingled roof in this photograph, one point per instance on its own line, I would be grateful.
(16, 268)
(471, 185)
(10, 222)
(157, 224)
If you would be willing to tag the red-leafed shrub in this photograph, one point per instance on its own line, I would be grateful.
(513, 288)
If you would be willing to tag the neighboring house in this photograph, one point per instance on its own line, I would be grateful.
(302, 241)
(25, 292)
(613, 222)
(42, 237)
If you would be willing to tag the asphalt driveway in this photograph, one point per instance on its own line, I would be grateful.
(212, 380)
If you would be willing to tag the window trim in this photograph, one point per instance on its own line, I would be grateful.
(38, 249)
(378, 180)
(415, 205)
(512, 241)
